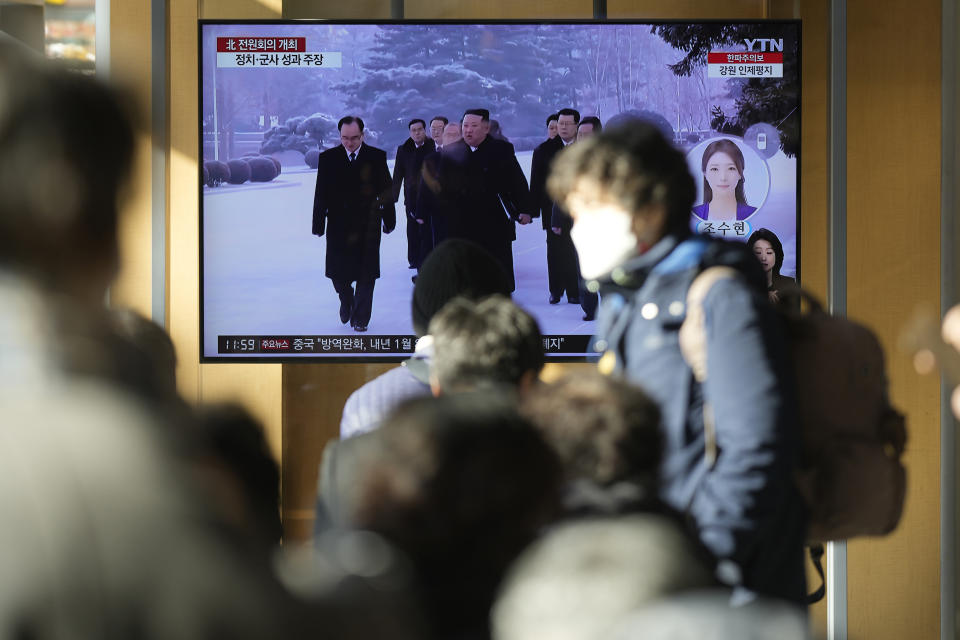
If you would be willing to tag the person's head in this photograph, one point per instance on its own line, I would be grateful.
(460, 484)
(118, 347)
(552, 126)
(496, 131)
(418, 130)
(722, 166)
(768, 249)
(437, 123)
(241, 469)
(351, 132)
(581, 578)
(455, 268)
(490, 343)
(66, 150)
(154, 343)
(589, 126)
(567, 121)
(626, 189)
(451, 133)
(475, 126)
(605, 430)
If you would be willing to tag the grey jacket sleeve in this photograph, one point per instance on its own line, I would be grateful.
(749, 390)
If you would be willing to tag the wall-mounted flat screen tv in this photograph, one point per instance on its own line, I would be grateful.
(273, 93)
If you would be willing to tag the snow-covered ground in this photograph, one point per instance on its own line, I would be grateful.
(263, 269)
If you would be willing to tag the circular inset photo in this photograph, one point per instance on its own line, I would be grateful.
(732, 179)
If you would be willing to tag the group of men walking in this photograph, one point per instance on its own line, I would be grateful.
(457, 182)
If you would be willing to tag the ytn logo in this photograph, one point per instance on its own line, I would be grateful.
(766, 44)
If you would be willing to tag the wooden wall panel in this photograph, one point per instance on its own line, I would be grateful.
(336, 10)
(313, 398)
(814, 174)
(256, 386)
(130, 66)
(893, 261)
(440, 9)
(498, 9)
(183, 266)
(669, 9)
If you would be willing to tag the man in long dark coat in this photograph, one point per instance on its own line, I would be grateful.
(482, 190)
(562, 272)
(353, 199)
(406, 171)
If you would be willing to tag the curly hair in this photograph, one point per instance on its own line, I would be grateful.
(460, 484)
(604, 429)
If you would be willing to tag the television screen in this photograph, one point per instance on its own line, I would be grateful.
(309, 253)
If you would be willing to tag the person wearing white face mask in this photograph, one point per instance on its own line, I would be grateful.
(630, 193)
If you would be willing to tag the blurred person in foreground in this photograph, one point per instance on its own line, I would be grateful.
(629, 192)
(460, 484)
(104, 531)
(607, 433)
(584, 576)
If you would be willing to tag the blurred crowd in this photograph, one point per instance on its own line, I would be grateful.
(467, 498)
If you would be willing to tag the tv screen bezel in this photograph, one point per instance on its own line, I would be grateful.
(393, 359)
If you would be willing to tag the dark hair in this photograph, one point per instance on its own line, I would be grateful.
(236, 441)
(552, 118)
(460, 484)
(771, 237)
(483, 113)
(455, 268)
(633, 164)
(442, 119)
(350, 120)
(731, 149)
(595, 121)
(569, 112)
(415, 121)
(66, 149)
(485, 343)
(496, 131)
(604, 430)
(153, 342)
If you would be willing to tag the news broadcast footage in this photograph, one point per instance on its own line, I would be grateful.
(726, 93)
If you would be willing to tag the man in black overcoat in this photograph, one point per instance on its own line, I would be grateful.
(563, 275)
(482, 190)
(353, 199)
(406, 171)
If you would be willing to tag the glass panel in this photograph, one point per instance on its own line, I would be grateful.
(70, 28)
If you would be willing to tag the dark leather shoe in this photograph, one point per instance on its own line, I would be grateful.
(573, 300)
(359, 328)
(344, 313)
(589, 316)
(554, 299)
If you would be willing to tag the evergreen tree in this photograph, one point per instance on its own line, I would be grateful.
(772, 100)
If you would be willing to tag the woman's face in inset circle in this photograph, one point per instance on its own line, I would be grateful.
(765, 254)
(722, 174)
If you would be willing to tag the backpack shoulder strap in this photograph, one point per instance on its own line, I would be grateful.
(693, 331)
(693, 344)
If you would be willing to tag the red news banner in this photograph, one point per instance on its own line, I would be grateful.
(745, 64)
(282, 52)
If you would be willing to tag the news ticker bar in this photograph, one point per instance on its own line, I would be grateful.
(353, 344)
